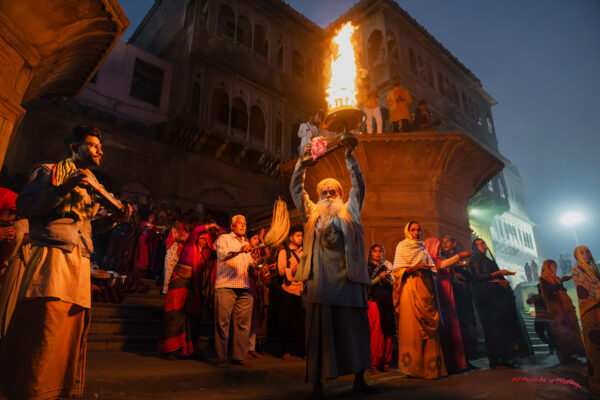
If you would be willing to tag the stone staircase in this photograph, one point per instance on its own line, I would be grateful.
(134, 324)
(539, 347)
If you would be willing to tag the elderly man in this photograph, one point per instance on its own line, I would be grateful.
(334, 271)
(233, 301)
(43, 352)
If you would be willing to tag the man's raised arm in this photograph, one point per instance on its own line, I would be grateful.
(299, 195)
(359, 188)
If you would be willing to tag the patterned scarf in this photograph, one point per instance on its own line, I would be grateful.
(78, 201)
(547, 274)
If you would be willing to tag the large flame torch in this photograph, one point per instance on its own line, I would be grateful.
(343, 115)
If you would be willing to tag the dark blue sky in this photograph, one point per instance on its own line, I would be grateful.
(540, 59)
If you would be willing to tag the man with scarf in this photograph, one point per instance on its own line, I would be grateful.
(43, 353)
(503, 328)
(334, 271)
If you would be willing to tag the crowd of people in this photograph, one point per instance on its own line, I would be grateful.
(319, 295)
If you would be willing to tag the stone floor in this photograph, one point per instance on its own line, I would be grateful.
(122, 375)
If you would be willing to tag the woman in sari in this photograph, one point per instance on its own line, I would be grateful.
(381, 309)
(144, 247)
(177, 236)
(587, 282)
(503, 328)
(563, 319)
(419, 345)
(450, 334)
(182, 300)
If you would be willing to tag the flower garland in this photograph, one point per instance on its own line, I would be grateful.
(318, 147)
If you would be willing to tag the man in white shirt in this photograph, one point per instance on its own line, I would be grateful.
(308, 130)
(233, 301)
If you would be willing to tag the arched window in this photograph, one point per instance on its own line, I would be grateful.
(226, 26)
(278, 136)
(412, 60)
(261, 44)
(374, 47)
(295, 142)
(257, 124)
(392, 46)
(298, 67)
(239, 114)
(220, 107)
(310, 71)
(279, 56)
(441, 84)
(244, 32)
(195, 104)
(429, 71)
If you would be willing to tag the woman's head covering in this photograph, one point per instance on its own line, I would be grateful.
(581, 263)
(478, 253)
(382, 259)
(407, 234)
(547, 274)
(432, 245)
(332, 182)
(7, 200)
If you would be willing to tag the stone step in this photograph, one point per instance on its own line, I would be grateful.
(125, 326)
(109, 310)
(122, 342)
(137, 343)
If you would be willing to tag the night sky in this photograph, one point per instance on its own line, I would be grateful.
(540, 59)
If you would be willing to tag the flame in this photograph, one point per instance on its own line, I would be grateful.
(342, 83)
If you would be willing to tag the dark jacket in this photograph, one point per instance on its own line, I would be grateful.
(39, 202)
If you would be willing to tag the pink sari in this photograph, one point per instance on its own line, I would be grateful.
(450, 334)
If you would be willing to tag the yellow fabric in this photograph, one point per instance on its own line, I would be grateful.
(579, 257)
(419, 346)
(398, 109)
(52, 272)
(78, 201)
(407, 234)
(332, 182)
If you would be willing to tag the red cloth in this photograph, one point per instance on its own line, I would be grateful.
(381, 346)
(450, 334)
(7, 200)
(142, 253)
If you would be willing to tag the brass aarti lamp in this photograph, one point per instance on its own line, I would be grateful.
(344, 116)
(340, 120)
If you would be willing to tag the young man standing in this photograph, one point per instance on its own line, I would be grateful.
(292, 310)
(43, 353)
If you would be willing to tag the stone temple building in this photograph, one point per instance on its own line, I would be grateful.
(203, 104)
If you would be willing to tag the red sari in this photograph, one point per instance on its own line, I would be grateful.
(450, 334)
(142, 251)
(185, 296)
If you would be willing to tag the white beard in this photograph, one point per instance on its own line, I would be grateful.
(328, 208)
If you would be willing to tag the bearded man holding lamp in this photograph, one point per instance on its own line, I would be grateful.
(334, 271)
